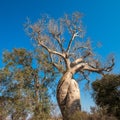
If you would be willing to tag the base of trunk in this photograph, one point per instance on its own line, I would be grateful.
(68, 96)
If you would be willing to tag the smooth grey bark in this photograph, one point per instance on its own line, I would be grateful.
(68, 96)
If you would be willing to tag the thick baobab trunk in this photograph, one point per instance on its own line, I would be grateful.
(68, 96)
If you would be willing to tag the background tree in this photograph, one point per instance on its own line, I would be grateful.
(69, 52)
(23, 88)
(106, 93)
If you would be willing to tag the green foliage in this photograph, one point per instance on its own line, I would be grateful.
(106, 93)
(23, 89)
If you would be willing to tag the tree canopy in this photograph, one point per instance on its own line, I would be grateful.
(23, 89)
(64, 41)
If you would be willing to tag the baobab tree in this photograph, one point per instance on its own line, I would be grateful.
(70, 52)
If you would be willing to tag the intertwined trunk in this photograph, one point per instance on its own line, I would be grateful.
(68, 96)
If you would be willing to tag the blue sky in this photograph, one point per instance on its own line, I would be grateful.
(101, 20)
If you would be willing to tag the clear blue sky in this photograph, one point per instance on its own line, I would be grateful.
(101, 19)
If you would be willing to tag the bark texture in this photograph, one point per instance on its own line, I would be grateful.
(68, 96)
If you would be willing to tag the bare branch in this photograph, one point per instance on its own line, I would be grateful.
(70, 42)
(57, 38)
(56, 65)
(110, 67)
(85, 66)
(88, 67)
(78, 67)
(55, 29)
(79, 60)
(51, 51)
(99, 70)
(92, 69)
(76, 62)
(86, 77)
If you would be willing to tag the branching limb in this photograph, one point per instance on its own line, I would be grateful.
(110, 67)
(59, 68)
(63, 55)
(76, 62)
(51, 51)
(98, 70)
(85, 77)
(57, 38)
(92, 69)
(79, 60)
(88, 67)
(71, 40)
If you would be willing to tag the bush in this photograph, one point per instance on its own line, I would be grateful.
(106, 93)
(96, 114)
